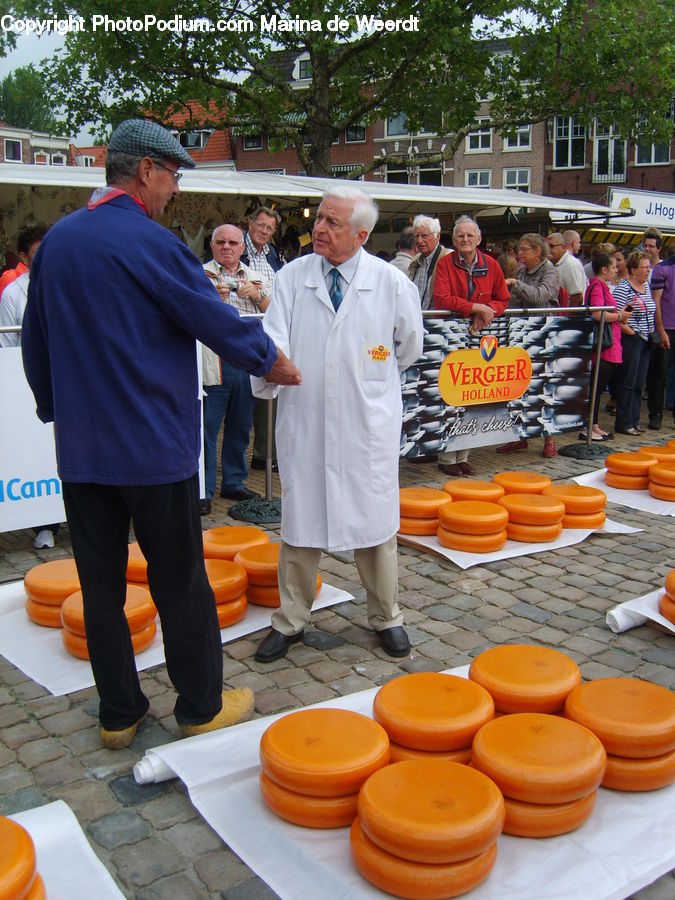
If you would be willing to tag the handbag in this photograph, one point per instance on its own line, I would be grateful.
(607, 339)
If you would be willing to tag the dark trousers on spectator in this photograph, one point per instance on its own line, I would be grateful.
(659, 359)
(606, 372)
(631, 380)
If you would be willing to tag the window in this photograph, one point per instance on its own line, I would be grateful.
(480, 178)
(305, 68)
(609, 154)
(12, 150)
(355, 135)
(88, 161)
(517, 179)
(194, 140)
(396, 125)
(652, 154)
(58, 159)
(521, 140)
(41, 159)
(253, 142)
(431, 173)
(397, 175)
(570, 143)
(341, 171)
(479, 140)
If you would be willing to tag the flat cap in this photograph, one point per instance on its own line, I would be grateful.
(141, 137)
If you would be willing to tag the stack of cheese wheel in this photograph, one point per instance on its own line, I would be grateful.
(137, 566)
(547, 767)
(667, 601)
(525, 678)
(584, 506)
(261, 562)
(228, 581)
(660, 454)
(419, 509)
(662, 480)
(473, 489)
(427, 828)
(313, 764)
(533, 518)
(629, 471)
(522, 482)
(46, 587)
(19, 878)
(226, 542)
(430, 715)
(139, 610)
(474, 526)
(635, 720)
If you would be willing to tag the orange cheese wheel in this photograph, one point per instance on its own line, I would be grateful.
(650, 774)
(588, 520)
(311, 812)
(539, 820)
(473, 517)
(663, 473)
(261, 563)
(268, 594)
(52, 582)
(525, 677)
(533, 534)
(38, 890)
(421, 502)
(76, 644)
(417, 881)
(522, 482)
(670, 443)
(43, 613)
(139, 610)
(579, 499)
(417, 526)
(432, 711)
(399, 753)
(228, 579)
(473, 489)
(232, 611)
(631, 717)
(656, 451)
(667, 608)
(533, 509)
(661, 491)
(226, 542)
(539, 758)
(431, 811)
(17, 859)
(137, 566)
(636, 464)
(323, 752)
(627, 482)
(670, 584)
(471, 543)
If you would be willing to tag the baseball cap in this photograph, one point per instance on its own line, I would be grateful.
(141, 137)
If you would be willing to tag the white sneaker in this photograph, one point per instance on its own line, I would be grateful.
(43, 539)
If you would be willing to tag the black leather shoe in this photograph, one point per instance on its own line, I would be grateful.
(453, 469)
(275, 645)
(240, 494)
(394, 641)
(205, 507)
(257, 463)
(655, 422)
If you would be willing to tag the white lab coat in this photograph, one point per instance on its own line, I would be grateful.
(338, 433)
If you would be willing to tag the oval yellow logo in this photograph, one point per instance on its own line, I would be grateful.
(490, 374)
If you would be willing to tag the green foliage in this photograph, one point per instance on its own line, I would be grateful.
(24, 103)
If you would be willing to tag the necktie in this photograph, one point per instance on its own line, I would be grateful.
(335, 289)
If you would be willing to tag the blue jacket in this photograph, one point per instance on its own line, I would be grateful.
(114, 306)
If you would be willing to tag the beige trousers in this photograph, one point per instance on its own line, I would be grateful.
(298, 567)
(453, 456)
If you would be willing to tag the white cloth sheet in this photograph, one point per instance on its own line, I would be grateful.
(40, 654)
(641, 500)
(626, 844)
(568, 537)
(637, 612)
(68, 866)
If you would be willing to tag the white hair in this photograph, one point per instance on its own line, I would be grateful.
(465, 220)
(365, 212)
(433, 225)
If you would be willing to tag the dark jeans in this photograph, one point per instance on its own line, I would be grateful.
(606, 372)
(232, 401)
(168, 529)
(656, 379)
(632, 374)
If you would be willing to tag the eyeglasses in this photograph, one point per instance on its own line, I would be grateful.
(227, 243)
(175, 175)
(266, 228)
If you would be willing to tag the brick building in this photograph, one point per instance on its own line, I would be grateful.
(24, 146)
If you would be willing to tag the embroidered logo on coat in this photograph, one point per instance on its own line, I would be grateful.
(380, 353)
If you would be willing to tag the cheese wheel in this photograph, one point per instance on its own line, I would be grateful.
(667, 608)
(421, 502)
(631, 717)
(261, 563)
(17, 859)
(137, 566)
(670, 584)
(471, 543)
(432, 711)
(228, 579)
(311, 812)
(268, 594)
(473, 489)
(636, 464)
(579, 499)
(473, 517)
(399, 753)
(323, 752)
(539, 820)
(38, 890)
(521, 482)
(139, 610)
(232, 611)
(539, 758)
(661, 491)
(533, 509)
(417, 526)
(659, 453)
(43, 613)
(589, 520)
(417, 881)
(52, 582)
(76, 644)
(431, 811)
(663, 473)
(226, 542)
(533, 534)
(627, 482)
(650, 774)
(525, 677)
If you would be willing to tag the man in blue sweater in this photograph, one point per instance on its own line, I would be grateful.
(114, 307)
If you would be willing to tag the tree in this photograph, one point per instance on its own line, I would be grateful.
(24, 103)
(533, 60)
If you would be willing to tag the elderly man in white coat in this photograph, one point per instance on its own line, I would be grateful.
(352, 323)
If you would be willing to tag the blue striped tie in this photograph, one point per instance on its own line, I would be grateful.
(335, 289)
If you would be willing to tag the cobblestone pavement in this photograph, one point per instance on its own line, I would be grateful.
(152, 840)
